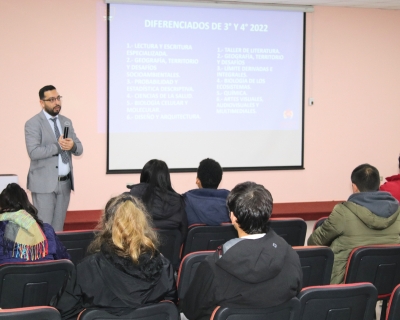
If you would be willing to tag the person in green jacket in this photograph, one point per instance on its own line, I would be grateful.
(368, 217)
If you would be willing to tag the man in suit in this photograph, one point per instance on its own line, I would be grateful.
(50, 176)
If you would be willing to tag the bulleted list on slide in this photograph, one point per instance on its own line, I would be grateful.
(191, 69)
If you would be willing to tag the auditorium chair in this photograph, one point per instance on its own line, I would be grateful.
(30, 313)
(188, 269)
(165, 310)
(393, 309)
(33, 283)
(316, 264)
(338, 302)
(201, 237)
(286, 311)
(293, 230)
(319, 222)
(76, 243)
(170, 245)
(377, 264)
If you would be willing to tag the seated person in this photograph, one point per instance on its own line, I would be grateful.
(392, 185)
(165, 206)
(124, 269)
(207, 204)
(257, 270)
(368, 217)
(23, 236)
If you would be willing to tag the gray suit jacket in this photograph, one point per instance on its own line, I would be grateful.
(43, 149)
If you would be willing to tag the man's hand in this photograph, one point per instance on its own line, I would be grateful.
(66, 144)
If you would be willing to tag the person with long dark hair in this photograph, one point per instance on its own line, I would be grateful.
(124, 269)
(166, 207)
(23, 236)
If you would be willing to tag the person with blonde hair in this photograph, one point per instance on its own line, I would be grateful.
(124, 269)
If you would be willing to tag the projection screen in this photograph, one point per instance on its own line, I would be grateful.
(188, 83)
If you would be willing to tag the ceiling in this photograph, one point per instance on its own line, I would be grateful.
(379, 4)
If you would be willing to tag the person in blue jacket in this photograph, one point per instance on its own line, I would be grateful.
(207, 204)
(23, 236)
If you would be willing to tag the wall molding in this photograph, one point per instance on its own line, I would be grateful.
(88, 219)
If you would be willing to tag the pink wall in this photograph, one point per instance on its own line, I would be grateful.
(352, 72)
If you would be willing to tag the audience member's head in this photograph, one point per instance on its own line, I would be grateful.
(209, 174)
(365, 178)
(125, 227)
(250, 205)
(156, 174)
(13, 198)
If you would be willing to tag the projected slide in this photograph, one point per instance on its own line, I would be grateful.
(204, 73)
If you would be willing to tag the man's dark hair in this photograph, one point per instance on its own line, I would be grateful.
(399, 162)
(44, 89)
(251, 204)
(13, 198)
(209, 173)
(366, 178)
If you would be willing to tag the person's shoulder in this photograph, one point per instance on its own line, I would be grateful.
(272, 237)
(207, 192)
(63, 118)
(48, 230)
(137, 188)
(343, 207)
(47, 226)
(174, 195)
(192, 191)
(393, 179)
(90, 261)
(223, 192)
(35, 118)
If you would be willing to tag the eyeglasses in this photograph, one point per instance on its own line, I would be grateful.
(53, 99)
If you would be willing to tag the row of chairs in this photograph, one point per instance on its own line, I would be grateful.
(33, 284)
(199, 238)
(316, 263)
(161, 311)
(331, 302)
(379, 265)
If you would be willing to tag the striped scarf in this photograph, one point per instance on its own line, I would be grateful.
(27, 238)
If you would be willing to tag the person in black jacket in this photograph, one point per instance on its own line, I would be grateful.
(165, 206)
(124, 270)
(257, 270)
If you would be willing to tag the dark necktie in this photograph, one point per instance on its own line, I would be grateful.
(64, 155)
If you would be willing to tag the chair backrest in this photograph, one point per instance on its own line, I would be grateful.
(379, 265)
(286, 311)
(76, 243)
(338, 302)
(316, 264)
(188, 269)
(293, 230)
(164, 310)
(34, 283)
(201, 238)
(30, 313)
(393, 310)
(170, 245)
(319, 222)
